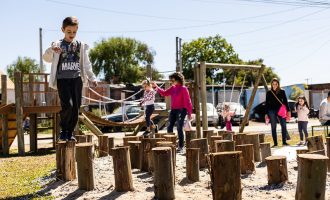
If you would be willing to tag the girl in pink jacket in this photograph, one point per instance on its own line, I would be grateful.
(302, 112)
(181, 105)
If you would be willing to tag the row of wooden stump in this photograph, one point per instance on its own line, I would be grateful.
(226, 154)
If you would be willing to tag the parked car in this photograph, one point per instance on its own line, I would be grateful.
(259, 112)
(212, 115)
(234, 107)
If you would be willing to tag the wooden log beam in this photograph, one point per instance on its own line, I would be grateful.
(5, 138)
(19, 112)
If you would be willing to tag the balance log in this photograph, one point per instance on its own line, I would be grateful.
(277, 169)
(328, 152)
(226, 180)
(134, 150)
(145, 153)
(253, 138)
(126, 139)
(261, 138)
(239, 138)
(189, 136)
(203, 150)
(312, 175)
(103, 145)
(170, 138)
(224, 145)
(192, 164)
(163, 173)
(265, 151)
(315, 143)
(207, 134)
(228, 136)
(65, 160)
(122, 169)
(212, 144)
(111, 144)
(85, 168)
(247, 161)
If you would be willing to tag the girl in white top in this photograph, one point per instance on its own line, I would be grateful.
(148, 102)
(302, 112)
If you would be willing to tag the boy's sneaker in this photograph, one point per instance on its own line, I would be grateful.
(63, 136)
(156, 129)
(146, 134)
(70, 137)
(301, 143)
(179, 150)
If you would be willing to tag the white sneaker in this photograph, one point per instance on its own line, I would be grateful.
(301, 143)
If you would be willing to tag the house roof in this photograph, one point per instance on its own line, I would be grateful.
(10, 83)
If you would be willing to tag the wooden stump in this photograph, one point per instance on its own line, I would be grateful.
(65, 160)
(224, 145)
(226, 180)
(203, 150)
(126, 139)
(163, 173)
(207, 134)
(312, 175)
(81, 138)
(103, 145)
(315, 143)
(301, 151)
(212, 144)
(170, 138)
(253, 138)
(321, 152)
(261, 138)
(111, 144)
(134, 150)
(159, 135)
(89, 138)
(239, 138)
(221, 132)
(328, 152)
(228, 136)
(265, 151)
(169, 144)
(192, 164)
(277, 169)
(122, 169)
(85, 168)
(189, 136)
(247, 160)
(145, 153)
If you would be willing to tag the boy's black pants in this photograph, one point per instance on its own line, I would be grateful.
(69, 91)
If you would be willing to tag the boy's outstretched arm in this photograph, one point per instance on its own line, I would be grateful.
(48, 55)
(88, 67)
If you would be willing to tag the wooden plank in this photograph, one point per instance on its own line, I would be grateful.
(11, 125)
(231, 66)
(7, 109)
(4, 124)
(197, 100)
(84, 119)
(19, 112)
(41, 109)
(202, 77)
(254, 91)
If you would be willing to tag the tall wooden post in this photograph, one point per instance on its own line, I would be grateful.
(122, 169)
(33, 117)
(5, 139)
(85, 167)
(196, 100)
(164, 185)
(167, 99)
(328, 152)
(202, 75)
(312, 176)
(254, 91)
(19, 112)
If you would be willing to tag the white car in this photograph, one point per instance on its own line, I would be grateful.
(212, 115)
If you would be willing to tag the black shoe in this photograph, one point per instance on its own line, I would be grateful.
(70, 137)
(146, 134)
(156, 128)
(285, 144)
(63, 136)
(275, 145)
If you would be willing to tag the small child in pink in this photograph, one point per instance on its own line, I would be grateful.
(227, 114)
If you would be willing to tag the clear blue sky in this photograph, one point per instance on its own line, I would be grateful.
(295, 40)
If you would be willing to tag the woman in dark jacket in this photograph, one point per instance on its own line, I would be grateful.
(273, 105)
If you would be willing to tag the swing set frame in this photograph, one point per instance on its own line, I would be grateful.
(200, 95)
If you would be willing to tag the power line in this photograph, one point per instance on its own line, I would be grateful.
(290, 3)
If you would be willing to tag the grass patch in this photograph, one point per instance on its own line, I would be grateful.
(19, 175)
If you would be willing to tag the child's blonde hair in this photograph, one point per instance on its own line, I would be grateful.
(146, 83)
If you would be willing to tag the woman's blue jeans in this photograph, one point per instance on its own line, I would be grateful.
(177, 116)
(274, 118)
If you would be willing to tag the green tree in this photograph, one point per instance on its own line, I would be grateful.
(122, 59)
(296, 92)
(24, 65)
(217, 50)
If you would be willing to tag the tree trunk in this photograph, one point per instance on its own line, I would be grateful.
(277, 169)
(146, 146)
(192, 164)
(189, 136)
(212, 144)
(103, 145)
(85, 168)
(129, 138)
(224, 145)
(253, 138)
(228, 136)
(261, 138)
(265, 151)
(315, 143)
(240, 138)
(134, 150)
(163, 185)
(328, 152)
(247, 161)
(111, 144)
(122, 169)
(312, 175)
(65, 160)
(170, 138)
(203, 150)
(207, 134)
(225, 180)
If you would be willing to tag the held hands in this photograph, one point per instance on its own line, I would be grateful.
(153, 84)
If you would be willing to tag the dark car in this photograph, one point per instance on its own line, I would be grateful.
(259, 111)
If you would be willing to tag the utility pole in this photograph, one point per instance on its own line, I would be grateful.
(178, 55)
(42, 70)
